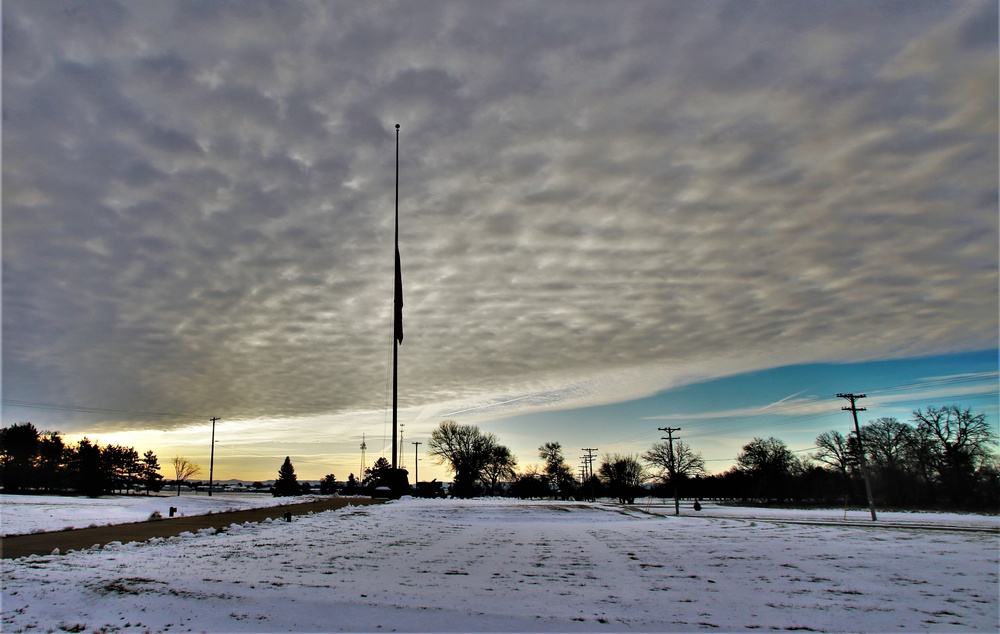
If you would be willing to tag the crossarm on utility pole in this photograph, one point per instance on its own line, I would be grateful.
(854, 409)
(672, 466)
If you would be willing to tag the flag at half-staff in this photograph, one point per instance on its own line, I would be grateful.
(398, 481)
(397, 318)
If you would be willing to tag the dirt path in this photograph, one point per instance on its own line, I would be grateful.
(16, 546)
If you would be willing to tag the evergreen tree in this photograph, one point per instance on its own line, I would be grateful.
(52, 458)
(42, 462)
(18, 457)
(378, 473)
(352, 484)
(150, 472)
(122, 466)
(287, 484)
(328, 485)
(89, 470)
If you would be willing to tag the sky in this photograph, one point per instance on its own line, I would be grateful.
(611, 214)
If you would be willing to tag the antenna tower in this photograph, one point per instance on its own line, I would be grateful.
(364, 447)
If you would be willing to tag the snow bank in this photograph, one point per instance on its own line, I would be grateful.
(923, 518)
(24, 514)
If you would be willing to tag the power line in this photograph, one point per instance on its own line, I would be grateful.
(731, 459)
(791, 406)
(756, 425)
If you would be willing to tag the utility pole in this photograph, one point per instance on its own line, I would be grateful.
(211, 463)
(589, 461)
(672, 465)
(854, 409)
(416, 461)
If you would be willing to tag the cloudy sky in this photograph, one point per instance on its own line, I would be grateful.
(599, 202)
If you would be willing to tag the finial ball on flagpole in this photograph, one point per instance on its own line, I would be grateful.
(397, 126)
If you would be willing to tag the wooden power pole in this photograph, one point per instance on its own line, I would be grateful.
(416, 460)
(672, 465)
(588, 467)
(854, 409)
(211, 460)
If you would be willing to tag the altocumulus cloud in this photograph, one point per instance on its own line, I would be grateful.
(598, 200)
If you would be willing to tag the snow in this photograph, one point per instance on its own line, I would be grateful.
(24, 514)
(506, 565)
(862, 516)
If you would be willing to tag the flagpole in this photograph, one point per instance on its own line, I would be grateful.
(396, 315)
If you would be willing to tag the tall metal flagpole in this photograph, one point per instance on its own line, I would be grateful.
(397, 311)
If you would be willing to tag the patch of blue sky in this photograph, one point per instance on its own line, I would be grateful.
(794, 403)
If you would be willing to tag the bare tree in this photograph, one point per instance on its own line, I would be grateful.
(956, 444)
(835, 451)
(682, 463)
(768, 462)
(500, 464)
(184, 469)
(530, 484)
(465, 449)
(676, 462)
(623, 475)
(887, 442)
(892, 449)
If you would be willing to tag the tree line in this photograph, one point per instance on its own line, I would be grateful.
(482, 466)
(42, 462)
(941, 458)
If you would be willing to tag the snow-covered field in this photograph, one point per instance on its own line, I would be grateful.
(502, 565)
(24, 514)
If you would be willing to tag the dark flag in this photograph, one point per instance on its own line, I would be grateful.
(398, 301)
